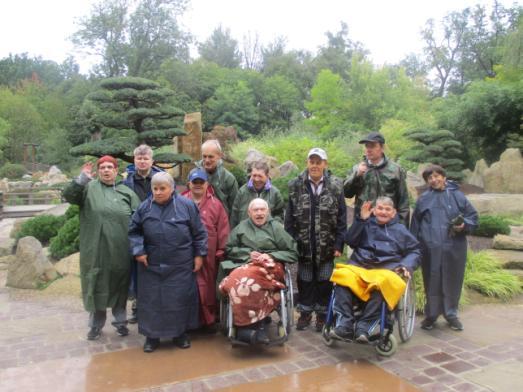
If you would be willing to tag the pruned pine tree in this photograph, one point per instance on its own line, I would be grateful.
(439, 147)
(126, 112)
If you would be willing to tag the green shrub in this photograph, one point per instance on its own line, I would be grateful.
(482, 274)
(238, 172)
(72, 211)
(282, 184)
(67, 241)
(490, 225)
(42, 227)
(12, 171)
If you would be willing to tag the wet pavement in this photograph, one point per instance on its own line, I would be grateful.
(43, 348)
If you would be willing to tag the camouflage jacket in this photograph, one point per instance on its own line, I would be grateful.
(317, 223)
(224, 184)
(247, 193)
(386, 179)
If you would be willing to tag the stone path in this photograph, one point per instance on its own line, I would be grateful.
(42, 343)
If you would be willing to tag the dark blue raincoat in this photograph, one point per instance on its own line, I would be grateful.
(443, 255)
(378, 246)
(171, 235)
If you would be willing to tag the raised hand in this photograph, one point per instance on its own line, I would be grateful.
(366, 210)
(87, 169)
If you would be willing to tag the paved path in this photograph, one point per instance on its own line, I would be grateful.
(43, 348)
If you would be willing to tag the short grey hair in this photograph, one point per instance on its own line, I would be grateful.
(143, 149)
(258, 200)
(385, 200)
(212, 143)
(260, 165)
(162, 178)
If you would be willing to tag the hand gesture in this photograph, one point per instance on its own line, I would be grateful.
(142, 259)
(337, 253)
(459, 228)
(198, 262)
(366, 210)
(402, 271)
(255, 255)
(87, 169)
(362, 169)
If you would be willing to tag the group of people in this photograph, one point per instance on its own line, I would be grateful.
(176, 253)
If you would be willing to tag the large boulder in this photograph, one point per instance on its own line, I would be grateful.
(5, 261)
(69, 265)
(225, 135)
(497, 203)
(254, 155)
(476, 178)
(507, 242)
(415, 184)
(287, 168)
(54, 176)
(502, 176)
(30, 267)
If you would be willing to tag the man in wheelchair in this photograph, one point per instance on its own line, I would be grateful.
(383, 250)
(256, 251)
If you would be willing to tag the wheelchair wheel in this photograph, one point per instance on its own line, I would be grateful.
(326, 335)
(406, 312)
(289, 300)
(388, 348)
(224, 315)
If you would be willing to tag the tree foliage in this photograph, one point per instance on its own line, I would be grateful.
(439, 147)
(221, 48)
(133, 41)
(126, 112)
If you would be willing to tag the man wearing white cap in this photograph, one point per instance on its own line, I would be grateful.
(316, 217)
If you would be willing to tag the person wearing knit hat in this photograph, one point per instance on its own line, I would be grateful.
(105, 211)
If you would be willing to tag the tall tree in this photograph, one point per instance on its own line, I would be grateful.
(221, 48)
(338, 53)
(130, 40)
(252, 51)
(126, 112)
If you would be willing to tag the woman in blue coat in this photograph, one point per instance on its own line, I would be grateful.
(169, 242)
(442, 218)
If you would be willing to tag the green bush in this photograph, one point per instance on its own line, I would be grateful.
(72, 211)
(67, 241)
(282, 184)
(13, 171)
(490, 225)
(42, 227)
(238, 172)
(482, 274)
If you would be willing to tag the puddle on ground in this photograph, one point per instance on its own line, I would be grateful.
(356, 376)
(133, 369)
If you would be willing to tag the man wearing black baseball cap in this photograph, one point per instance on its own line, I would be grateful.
(377, 176)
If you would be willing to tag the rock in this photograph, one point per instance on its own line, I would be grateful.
(497, 203)
(27, 177)
(499, 177)
(274, 172)
(287, 168)
(516, 231)
(415, 185)
(225, 135)
(4, 185)
(30, 268)
(69, 265)
(507, 242)
(476, 177)
(5, 261)
(54, 176)
(509, 259)
(20, 186)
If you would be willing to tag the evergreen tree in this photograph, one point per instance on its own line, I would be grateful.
(439, 147)
(126, 112)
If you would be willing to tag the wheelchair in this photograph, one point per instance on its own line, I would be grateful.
(278, 331)
(381, 331)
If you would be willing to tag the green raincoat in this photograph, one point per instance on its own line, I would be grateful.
(271, 238)
(105, 265)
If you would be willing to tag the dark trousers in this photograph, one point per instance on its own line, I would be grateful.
(343, 307)
(314, 296)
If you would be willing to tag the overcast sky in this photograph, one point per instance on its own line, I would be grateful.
(389, 29)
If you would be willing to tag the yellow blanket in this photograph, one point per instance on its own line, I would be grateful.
(363, 281)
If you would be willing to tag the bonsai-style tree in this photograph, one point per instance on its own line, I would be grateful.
(126, 112)
(439, 147)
